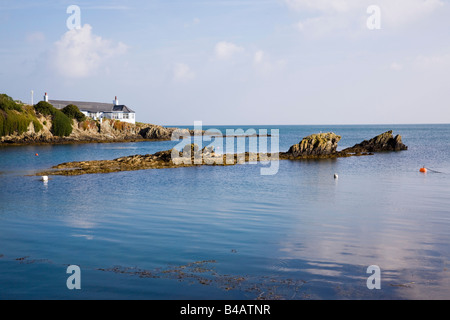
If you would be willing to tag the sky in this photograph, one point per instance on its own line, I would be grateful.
(235, 62)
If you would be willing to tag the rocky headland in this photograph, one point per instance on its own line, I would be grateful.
(105, 131)
(317, 146)
(90, 131)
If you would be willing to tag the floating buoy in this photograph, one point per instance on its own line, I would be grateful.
(423, 169)
(336, 176)
(37, 154)
(44, 178)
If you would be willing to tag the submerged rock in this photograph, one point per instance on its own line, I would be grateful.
(315, 145)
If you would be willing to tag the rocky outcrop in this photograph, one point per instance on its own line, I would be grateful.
(315, 145)
(324, 145)
(94, 131)
(159, 160)
(156, 132)
(383, 142)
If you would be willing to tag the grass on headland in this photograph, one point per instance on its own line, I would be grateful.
(15, 117)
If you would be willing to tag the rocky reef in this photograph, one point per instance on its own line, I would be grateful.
(383, 142)
(190, 156)
(316, 146)
(324, 145)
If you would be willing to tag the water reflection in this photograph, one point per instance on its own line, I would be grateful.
(300, 224)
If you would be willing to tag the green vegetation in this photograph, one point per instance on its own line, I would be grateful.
(61, 124)
(73, 112)
(45, 108)
(7, 103)
(16, 118)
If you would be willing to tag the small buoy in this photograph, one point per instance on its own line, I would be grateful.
(44, 178)
(36, 154)
(423, 169)
(336, 176)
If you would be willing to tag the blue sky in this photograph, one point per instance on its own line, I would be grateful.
(235, 62)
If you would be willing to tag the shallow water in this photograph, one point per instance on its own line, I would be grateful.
(230, 232)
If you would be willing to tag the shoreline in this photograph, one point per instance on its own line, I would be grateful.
(63, 141)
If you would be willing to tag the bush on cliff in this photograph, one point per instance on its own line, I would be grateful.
(61, 124)
(45, 108)
(7, 103)
(12, 121)
(73, 112)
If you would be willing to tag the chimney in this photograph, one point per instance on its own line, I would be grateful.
(46, 97)
(116, 102)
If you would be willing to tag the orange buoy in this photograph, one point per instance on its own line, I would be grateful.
(424, 170)
(36, 154)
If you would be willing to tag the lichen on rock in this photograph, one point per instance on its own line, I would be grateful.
(316, 144)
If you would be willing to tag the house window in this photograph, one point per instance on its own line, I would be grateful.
(125, 115)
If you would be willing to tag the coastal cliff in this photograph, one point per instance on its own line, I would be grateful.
(40, 132)
(42, 123)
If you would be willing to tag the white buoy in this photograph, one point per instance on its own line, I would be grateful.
(336, 176)
(44, 178)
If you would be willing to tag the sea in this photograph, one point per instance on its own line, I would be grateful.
(380, 230)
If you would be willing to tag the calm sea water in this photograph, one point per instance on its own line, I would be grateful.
(230, 232)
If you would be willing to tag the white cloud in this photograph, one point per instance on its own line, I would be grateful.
(80, 53)
(194, 22)
(322, 25)
(264, 65)
(35, 37)
(396, 66)
(323, 5)
(344, 13)
(438, 61)
(259, 57)
(401, 12)
(182, 72)
(225, 50)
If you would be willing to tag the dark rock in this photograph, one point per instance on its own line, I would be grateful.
(383, 142)
(156, 132)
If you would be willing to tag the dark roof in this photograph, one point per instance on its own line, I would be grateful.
(91, 106)
(122, 108)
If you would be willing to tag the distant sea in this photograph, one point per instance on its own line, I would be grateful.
(215, 232)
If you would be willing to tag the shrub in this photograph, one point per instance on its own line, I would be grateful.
(118, 125)
(45, 108)
(15, 117)
(62, 124)
(37, 125)
(88, 125)
(7, 103)
(2, 123)
(12, 121)
(73, 112)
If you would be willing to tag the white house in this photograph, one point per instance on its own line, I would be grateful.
(98, 110)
